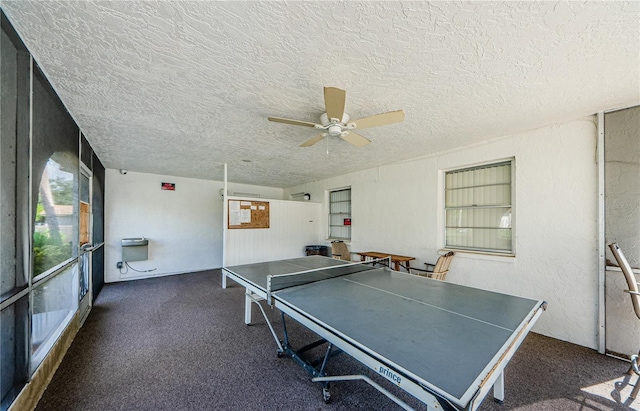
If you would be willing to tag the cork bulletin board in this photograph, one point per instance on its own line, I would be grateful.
(248, 214)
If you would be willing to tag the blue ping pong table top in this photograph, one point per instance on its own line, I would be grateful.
(444, 335)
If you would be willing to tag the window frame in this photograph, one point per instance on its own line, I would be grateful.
(17, 231)
(331, 233)
(443, 209)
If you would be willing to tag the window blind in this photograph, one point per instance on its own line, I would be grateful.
(478, 208)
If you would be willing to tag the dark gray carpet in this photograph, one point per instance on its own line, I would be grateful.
(180, 343)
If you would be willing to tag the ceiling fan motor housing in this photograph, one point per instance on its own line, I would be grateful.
(335, 130)
(324, 119)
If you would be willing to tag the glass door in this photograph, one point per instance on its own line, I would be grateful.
(86, 247)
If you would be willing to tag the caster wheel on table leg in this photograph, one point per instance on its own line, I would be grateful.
(326, 395)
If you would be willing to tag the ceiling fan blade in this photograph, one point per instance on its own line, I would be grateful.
(356, 139)
(292, 122)
(334, 102)
(380, 119)
(313, 140)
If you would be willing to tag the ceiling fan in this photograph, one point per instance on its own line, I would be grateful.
(336, 123)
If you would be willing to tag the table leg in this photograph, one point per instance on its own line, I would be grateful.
(498, 389)
(247, 307)
(396, 265)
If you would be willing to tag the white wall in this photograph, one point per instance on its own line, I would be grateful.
(184, 227)
(293, 225)
(398, 208)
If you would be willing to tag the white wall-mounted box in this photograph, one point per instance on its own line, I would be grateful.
(135, 249)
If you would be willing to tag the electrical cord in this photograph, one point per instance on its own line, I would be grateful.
(139, 271)
(127, 267)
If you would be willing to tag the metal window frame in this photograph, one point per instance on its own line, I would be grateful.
(24, 263)
(329, 203)
(485, 250)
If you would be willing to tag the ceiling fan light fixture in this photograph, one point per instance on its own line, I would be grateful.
(335, 130)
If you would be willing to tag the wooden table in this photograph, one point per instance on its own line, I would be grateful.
(397, 260)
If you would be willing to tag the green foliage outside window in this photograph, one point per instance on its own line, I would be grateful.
(62, 191)
(54, 218)
(48, 253)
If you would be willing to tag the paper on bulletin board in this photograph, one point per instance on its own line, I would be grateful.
(245, 215)
(234, 213)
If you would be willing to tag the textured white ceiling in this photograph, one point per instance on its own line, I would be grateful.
(179, 88)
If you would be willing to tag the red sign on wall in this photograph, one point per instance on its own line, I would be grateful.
(169, 186)
(347, 221)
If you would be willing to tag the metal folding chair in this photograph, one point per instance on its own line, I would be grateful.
(634, 293)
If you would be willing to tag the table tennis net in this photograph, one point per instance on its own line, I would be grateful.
(282, 281)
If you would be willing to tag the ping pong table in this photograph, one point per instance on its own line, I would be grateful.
(443, 343)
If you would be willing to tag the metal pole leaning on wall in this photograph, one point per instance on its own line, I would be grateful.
(225, 214)
(601, 237)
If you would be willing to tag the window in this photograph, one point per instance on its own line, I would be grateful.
(55, 226)
(55, 301)
(479, 207)
(340, 214)
(39, 204)
(14, 209)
